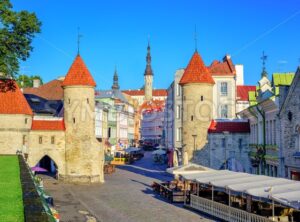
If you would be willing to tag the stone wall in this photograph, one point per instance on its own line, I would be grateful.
(13, 130)
(197, 114)
(290, 130)
(38, 149)
(84, 154)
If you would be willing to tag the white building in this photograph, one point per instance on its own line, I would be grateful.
(264, 124)
(229, 96)
(152, 122)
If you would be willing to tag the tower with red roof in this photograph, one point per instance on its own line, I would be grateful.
(197, 90)
(84, 155)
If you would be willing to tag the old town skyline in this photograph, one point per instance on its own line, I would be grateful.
(114, 37)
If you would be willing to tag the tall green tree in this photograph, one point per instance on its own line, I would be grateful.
(17, 30)
(25, 81)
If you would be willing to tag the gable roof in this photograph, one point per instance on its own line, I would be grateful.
(282, 79)
(196, 72)
(243, 92)
(57, 125)
(229, 126)
(224, 68)
(291, 89)
(52, 90)
(78, 74)
(155, 92)
(12, 100)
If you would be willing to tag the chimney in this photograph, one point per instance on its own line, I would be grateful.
(36, 83)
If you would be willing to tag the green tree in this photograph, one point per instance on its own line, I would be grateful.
(25, 81)
(17, 29)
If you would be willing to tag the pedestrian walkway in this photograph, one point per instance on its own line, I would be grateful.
(126, 196)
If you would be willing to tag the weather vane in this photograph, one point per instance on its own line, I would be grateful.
(78, 40)
(264, 59)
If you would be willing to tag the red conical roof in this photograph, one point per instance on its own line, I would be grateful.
(79, 74)
(12, 100)
(196, 72)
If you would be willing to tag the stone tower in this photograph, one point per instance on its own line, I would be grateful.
(84, 155)
(148, 76)
(115, 85)
(197, 105)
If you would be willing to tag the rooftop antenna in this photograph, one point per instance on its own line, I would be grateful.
(79, 36)
(195, 38)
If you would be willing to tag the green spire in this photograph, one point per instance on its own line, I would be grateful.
(116, 86)
(264, 59)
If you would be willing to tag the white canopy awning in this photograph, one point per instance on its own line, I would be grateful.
(266, 191)
(190, 168)
(202, 174)
(255, 183)
(291, 199)
(284, 191)
(233, 179)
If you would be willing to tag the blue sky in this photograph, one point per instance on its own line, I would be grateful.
(115, 33)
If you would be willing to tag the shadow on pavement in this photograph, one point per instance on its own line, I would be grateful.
(161, 175)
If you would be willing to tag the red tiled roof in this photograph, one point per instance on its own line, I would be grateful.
(243, 91)
(222, 68)
(79, 74)
(12, 100)
(152, 105)
(155, 92)
(52, 90)
(196, 72)
(57, 125)
(231, 127)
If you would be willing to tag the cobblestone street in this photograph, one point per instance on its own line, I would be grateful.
(126, 196)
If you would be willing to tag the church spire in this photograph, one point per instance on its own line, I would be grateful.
(115, 85)
(148, 70)
(264, 59)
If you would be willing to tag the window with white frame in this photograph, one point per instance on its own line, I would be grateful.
(178, 112)
(224, 88)
(178, 90)
(224, 111)
(178, 134)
